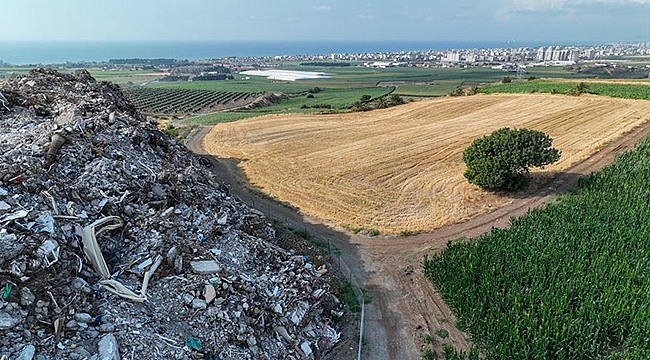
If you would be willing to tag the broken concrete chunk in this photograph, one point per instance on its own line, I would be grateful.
(83, 317)
(278, 309)
(199, 304)
(10, 246)
(27, 353)
(27, 297)
(282, 331)
(187, 298)
(306, 348)
(209, 293)
(205, 267)
(8, 321)
(108, 348)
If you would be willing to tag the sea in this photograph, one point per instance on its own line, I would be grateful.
(60, 52)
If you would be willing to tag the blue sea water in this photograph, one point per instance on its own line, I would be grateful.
(57, 52)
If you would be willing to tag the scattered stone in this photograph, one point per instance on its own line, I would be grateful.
(108, 348)
(27, 353)
(205, 267)
(83, 318)
(27, 297)
(199, 304)
(306, 348)
(8, 321)
(106, 328)
(209, 293)
(188, 298)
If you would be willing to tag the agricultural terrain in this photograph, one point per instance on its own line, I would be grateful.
(334, 95)
(399, 170)
(185, 101)
(569, 281)
(618, 89)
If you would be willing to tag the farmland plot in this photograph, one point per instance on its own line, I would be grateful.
(184, 101)
(400, 169)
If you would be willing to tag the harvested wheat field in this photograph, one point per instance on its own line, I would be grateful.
(401, 169)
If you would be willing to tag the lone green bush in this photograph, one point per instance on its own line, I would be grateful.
(501, 160)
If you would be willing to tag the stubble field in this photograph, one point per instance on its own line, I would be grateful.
(400, 169)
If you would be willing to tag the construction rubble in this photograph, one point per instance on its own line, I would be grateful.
(116, 244)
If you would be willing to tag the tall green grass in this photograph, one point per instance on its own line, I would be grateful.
(625, 91)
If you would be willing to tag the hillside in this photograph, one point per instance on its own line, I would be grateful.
(115, 240)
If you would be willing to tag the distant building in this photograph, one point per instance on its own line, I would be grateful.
(540, 54)
(453, 57)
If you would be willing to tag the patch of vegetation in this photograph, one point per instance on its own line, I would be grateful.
(347, 294)
(326, 63)
(625, 91)
(452, 353)
(428, 354)
(501, 160)
(373, 232)
(179, 133)
(303, 233)
(611, 71)
(568, 281)
(443, 333)
(426, 338)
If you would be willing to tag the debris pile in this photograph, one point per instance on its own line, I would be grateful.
(115, 243)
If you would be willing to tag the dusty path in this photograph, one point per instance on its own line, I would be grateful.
(405, 305)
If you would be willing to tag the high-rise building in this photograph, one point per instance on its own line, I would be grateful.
(540, 54)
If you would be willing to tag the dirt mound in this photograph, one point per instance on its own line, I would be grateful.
(114, 239)
(265, 100)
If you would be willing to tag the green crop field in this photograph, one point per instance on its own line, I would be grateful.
(341, 91)
(571, 281)
(125, 76)
(181, 101)
(328, 100)
(618, 90)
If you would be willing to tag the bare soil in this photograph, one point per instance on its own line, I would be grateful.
(405, 305)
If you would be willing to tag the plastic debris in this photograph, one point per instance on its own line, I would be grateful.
(7, 291)
(13, 216)
(194, 344)
(44, 223)
(49, 252)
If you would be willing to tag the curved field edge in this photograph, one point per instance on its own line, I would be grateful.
(400, 169)
(627, 90)
(569, 281)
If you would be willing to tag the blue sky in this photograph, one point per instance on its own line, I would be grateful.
(418, 20)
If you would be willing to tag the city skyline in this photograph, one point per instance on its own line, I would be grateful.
(558, 21)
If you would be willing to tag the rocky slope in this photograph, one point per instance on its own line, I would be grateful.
(115, 242)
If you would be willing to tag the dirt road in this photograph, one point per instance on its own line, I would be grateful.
(405, 305)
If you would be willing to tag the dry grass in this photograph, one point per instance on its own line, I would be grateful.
(400, 169)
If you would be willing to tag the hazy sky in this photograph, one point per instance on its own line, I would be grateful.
(434, 20)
